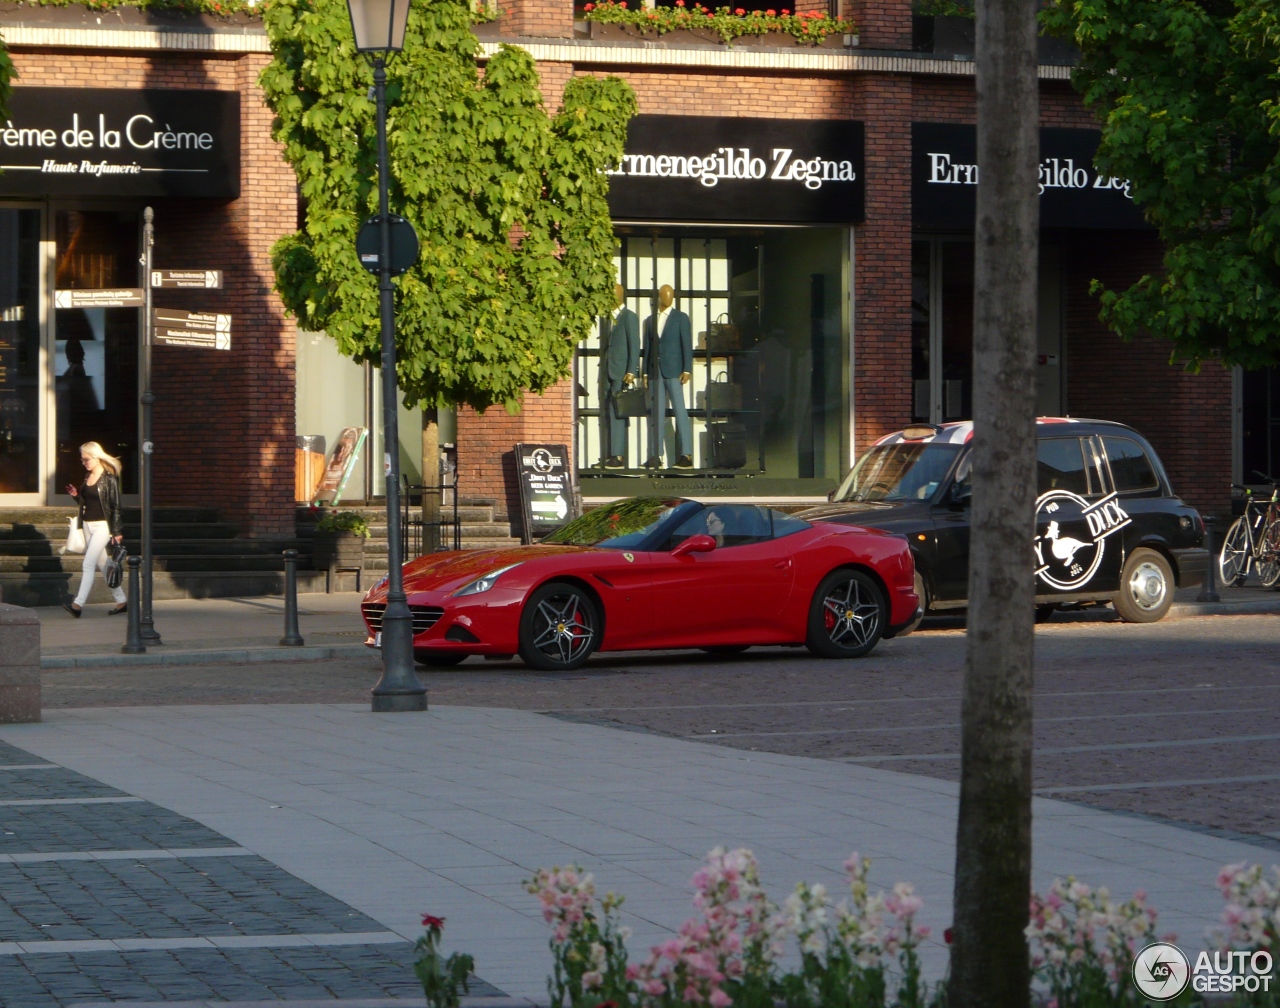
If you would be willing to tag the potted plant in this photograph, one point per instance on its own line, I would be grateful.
(339, 540)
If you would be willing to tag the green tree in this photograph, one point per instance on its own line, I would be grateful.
(1187, 93)
(7, 74)
(508, 202)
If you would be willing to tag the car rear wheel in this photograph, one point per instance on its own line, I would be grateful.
(559, 628)
(1146, 587)
(1045, 612)
(438, 660)
(847, 616)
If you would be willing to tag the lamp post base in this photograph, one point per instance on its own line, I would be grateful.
(399, 703)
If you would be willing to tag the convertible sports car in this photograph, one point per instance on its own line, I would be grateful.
(651, 573)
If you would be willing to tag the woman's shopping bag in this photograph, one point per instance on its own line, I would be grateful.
(75, 537)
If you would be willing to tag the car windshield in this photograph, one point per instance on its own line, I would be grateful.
(909, 471)
(624, 524)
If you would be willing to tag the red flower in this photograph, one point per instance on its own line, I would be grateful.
(589, 6)
(947, 935)
(432, 922)
(785, 12)
(771, 13)
(623, 5)
(679, 3)
(739, 11)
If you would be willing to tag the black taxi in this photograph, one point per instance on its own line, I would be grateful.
(1109, 528)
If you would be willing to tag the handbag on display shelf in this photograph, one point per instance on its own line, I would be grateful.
(727, 440)
(75, 537)
(631, 402)
(722, 335)
(721, 395)
(113, 569)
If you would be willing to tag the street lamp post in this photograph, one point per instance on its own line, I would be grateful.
(378, 26)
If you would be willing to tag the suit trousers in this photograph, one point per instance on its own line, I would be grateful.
(613, 428)
(662, 391)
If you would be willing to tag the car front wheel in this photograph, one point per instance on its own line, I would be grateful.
(1146, 587)
(559, 628)
(847, 616)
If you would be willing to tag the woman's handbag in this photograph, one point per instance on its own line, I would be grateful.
(113, 570)
(75, 537)
(631, 402)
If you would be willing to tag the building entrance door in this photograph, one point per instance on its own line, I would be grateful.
(21, 385)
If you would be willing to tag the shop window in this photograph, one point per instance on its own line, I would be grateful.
(19, 351)
(767, 392)
(1260, 424)
(96, 349)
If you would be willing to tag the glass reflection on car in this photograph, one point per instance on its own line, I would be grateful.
(910, 471)
(624, 524)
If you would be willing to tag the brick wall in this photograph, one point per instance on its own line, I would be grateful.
(1185, 416)
(882, 24)
(952, 100)
(223, 420)
(537, 18)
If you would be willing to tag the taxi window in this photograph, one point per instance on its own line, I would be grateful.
(1060, 465)
(1130, 468)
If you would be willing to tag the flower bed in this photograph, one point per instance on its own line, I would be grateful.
(726, 22)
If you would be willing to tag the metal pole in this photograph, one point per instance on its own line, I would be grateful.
(399, 688)
(133, 640)
(148, 631)
(291, 638)
(1209, 590)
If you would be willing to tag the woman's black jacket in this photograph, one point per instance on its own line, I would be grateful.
(109, 494)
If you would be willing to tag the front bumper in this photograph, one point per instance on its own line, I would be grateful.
(1193, 564)
(487, 623)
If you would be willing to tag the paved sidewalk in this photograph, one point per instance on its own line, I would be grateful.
(446, 812)
(205, 631)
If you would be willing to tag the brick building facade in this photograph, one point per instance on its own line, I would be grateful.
(233, 413)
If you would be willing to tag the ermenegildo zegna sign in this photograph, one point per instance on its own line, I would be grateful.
(721, 168)
(1073, 193)
(118, 142)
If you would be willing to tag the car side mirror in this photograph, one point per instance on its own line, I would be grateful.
(695, 544)
(962, 495)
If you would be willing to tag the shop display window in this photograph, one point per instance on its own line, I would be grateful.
(96, 349)
(766, 396)
(20, 318)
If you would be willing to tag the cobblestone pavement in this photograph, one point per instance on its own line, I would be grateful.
(1176, 720)
(105, 897)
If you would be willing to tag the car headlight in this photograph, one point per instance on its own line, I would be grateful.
(483, 584)
(379, 583)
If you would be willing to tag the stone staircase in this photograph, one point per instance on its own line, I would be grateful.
(196, 556)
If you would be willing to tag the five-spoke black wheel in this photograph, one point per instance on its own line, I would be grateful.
(847, 617)
(559, 628)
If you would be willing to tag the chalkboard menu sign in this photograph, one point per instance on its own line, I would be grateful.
(546, 496)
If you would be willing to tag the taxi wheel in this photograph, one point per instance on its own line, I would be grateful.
(429, 660)
(1146, 587)
(847, 616)
(559, 628)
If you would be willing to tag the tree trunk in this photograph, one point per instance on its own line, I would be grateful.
(990, 966)
(430, 481)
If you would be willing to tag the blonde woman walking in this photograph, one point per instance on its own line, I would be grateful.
(99, 497)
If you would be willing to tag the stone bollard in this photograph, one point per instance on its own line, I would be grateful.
(19, 665)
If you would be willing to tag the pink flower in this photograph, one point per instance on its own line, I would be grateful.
(719, 999)
(432, 922)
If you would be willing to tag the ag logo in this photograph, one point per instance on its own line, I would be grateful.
(1064, 560)
(1161, 972)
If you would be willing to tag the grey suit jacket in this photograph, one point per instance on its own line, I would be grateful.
(621, 351)
(670, 353)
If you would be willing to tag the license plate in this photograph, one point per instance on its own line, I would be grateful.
(377, 639)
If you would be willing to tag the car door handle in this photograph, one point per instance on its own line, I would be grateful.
(783, 564)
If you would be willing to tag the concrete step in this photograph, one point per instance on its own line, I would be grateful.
(49, 589)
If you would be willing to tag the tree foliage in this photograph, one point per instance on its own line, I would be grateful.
(1188, 92)
(6, 78)
(508, 202)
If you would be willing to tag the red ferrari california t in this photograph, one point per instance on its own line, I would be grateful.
(651, 573)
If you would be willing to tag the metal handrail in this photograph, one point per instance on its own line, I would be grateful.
(422, 536)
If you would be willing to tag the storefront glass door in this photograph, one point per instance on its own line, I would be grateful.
(20, 357)
(942, 332)
(96, 349)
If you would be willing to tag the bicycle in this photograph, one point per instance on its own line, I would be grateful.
(1253, 540)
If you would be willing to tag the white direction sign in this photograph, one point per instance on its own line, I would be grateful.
(187, 279)
(203, 330)
(110, 297)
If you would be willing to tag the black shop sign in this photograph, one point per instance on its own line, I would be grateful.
(119, 142)
(1073, 193)
(721, 168)
(546, 494)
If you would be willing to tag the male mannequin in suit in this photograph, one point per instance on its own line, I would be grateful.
(619, 362)
(668, 365)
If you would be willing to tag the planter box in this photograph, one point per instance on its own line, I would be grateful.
(337, 549)
(774, 40)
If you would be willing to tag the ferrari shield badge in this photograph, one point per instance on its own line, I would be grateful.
(628, 557)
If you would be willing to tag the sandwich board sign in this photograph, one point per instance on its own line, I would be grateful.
(546, 495)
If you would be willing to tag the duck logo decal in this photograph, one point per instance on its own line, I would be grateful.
(1064, 561)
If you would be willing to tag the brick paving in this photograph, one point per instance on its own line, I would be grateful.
(143, 889)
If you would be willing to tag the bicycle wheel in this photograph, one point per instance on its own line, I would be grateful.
(1268, 561)
(1234, 560)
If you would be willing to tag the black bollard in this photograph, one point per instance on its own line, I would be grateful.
(133, 642)
(291, 636)
(1209, 590)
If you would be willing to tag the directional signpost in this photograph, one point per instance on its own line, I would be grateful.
(187, 279)
(204, 330)
(110, 297)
